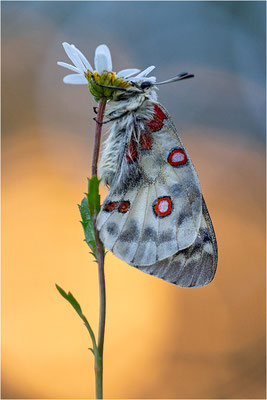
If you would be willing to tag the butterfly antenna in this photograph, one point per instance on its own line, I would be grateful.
(183, 75)
(108, 87)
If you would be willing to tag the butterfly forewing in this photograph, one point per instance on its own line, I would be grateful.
(154, 207)
(194, 266)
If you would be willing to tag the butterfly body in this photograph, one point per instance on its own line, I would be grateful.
(154, 216)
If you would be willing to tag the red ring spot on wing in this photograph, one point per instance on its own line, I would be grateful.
(156, 123)
(124, 206)
(131, 152)
(146, 141)
(177, 157)
(162, 206)
(111, 206)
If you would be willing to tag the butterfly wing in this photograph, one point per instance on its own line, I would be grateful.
(154, 207)
(194, 266)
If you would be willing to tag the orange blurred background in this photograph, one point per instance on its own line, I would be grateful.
(161, 341)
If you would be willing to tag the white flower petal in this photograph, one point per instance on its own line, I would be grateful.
(83, 59)
(75, 79)
(145, 72)
(142, 78)
(125, 73)
(103, 60)
(68, 66)
(72, 54)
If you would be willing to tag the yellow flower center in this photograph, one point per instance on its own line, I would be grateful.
(106, 78)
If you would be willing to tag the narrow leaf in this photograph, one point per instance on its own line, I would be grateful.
(71, 299)
(88, 226)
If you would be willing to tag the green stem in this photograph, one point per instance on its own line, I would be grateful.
(98, 130)
(100, 261)
(102, 316)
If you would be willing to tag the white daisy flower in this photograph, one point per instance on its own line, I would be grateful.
(103, 63)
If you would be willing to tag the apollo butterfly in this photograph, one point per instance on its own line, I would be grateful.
(154, 216)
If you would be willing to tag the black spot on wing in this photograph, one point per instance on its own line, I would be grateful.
(149, 234)
(166, 236)
(183, 216)
(197, 246)
(192, 188)
(112, 228)
(205, 235)
(131, 233)
(177, 190)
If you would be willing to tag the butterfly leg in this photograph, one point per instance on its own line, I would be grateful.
(101, 123)
(111, 119)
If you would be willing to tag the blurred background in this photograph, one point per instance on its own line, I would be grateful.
(161, 341)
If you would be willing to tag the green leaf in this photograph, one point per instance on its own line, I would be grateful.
(93, 196)
(89, 208)
(88, 226)
(71, 299)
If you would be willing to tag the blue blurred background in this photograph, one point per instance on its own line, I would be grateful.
(162, 341)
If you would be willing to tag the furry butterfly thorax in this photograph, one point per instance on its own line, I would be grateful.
(154, 216)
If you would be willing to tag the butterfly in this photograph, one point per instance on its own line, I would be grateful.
(154, 217)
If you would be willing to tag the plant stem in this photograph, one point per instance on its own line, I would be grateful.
(98, 130)
(100, 261)
(102, 316)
